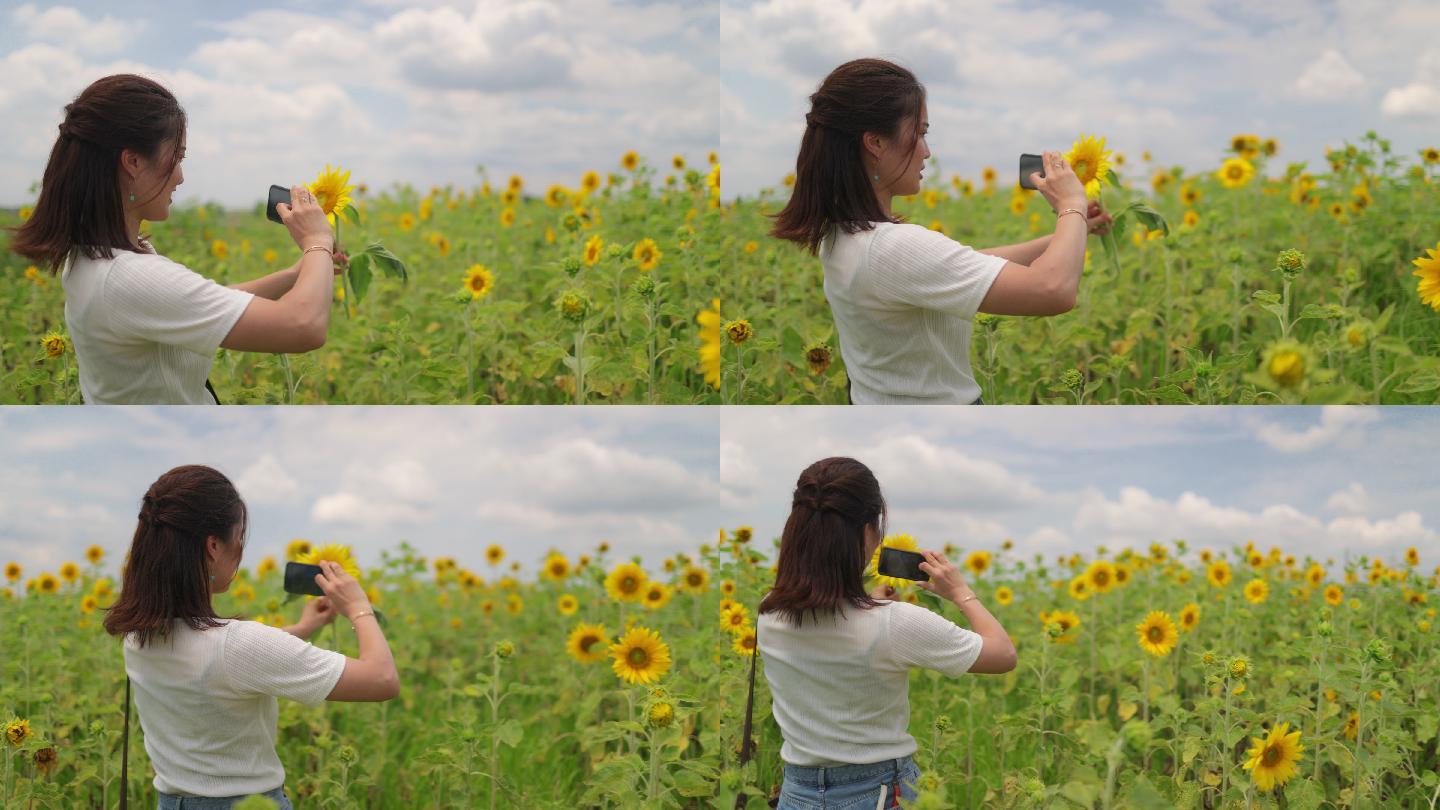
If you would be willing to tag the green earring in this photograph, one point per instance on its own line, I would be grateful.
(132, 196)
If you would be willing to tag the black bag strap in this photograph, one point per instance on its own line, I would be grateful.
(747, 740)
(125, 753)
(211, 389)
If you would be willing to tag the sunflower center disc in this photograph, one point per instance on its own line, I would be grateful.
(638, 657)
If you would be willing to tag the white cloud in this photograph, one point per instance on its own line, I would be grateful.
(1336, 422)
(917, 472)
(1420, 99)
(267, 481)
(1353, 498)
(1329, 77)
(72, 29)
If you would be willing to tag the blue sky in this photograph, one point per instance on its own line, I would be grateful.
(1322, 481)
(448, 480)
(419, 92)
(1176, 77)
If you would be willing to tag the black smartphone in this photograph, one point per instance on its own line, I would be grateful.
(903, 564)
(300, 577)
(1030, 164)
(278, 194)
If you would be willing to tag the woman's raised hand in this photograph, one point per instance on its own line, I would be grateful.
(344, 592)
(945, 578)
(305, 219)
(1060, 186)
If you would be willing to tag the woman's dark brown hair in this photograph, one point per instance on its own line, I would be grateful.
(167, 575)
(832, 186)
(822, 550)
(80, 203)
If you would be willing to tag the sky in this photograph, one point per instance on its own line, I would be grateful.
(1176, 77)
(419, 91)
(1328, 482)
(449, 481)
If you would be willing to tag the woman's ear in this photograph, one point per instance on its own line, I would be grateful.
(130, 164)
(874, 144)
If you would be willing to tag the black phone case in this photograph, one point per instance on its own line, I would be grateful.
(300, 578)
(903, 564)
(1030, 164)
(278, 194)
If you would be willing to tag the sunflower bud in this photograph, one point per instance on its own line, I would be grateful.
(1290, 263)
(573, 305)
(1377, 651)
(645, 286)
(504, 649)
(942, 723)
(661, 714)
(571, 265)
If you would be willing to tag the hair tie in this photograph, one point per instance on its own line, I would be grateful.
(810, 120)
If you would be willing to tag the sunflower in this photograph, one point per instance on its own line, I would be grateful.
(587, 643)
(1429, 275)
(1189, 194)
(647, 254)
(1219, 573)
(567, 605)
(1191, 219)
(1065, 622)
(266, 565)
(678, 162)
(1189, 617)
(13, 571)
(507, 217)
(17, 731)
(630, 160)
(88, 603)
(1256, 591)
(739, 331)
(1091, 163)
(331, 191)
(494, 554)
(1334, 594)
(479, 281)
(1352, 726)
(626, 582)
(640, 656)
(1123, 572)
(709, 320)
(556, 567)
(1004, 595)
(1315, 575)
(1235, 172)
(514, 604)
(1272, 758)
(296, 548)
(903, 542)
(589, 182)
(333, 552)
(744, 642)
(657, 595)
(594, 248)
(694, 579)
(1412, 556)
(69, 572)
(556, 196)
(1101, 576)
(1079, 588)
(103, 589)
(735, 619)
(48, 583)
(94, 554)
(1157, 634)
(727, 587)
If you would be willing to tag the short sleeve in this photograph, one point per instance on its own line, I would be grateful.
(929, 270)
(263, 660)
(923, 638)
(153, 298)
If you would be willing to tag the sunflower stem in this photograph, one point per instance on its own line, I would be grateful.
(654, 784)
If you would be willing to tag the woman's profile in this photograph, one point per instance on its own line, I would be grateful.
(903, 296)
(145, 328)
(838, 658)
(206, 687)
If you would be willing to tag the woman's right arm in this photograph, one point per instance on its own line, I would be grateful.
(298, 320)
(1048, 285)
(997, 653)
(372, 676)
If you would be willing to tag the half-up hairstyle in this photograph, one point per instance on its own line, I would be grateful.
(80, 205)
(822, 549)
(832, 186)
(167, 573)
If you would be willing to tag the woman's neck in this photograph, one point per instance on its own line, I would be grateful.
(884, 197)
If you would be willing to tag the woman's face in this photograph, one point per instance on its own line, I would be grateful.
(872, 542)
(901, 168)
(153, 180)
(224, 561)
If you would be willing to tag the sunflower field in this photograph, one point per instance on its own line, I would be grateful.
(491, 294)
(1257, 282)
(1158, 678)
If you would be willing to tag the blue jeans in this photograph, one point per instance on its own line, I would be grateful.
(171, 802)
(849, 787)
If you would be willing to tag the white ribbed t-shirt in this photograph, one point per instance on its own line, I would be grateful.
(145, 328)
(840, 685)
(902, 297)
(206, 700)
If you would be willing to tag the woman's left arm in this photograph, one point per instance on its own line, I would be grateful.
(272, 286)
(317, 613)
(1023, 252)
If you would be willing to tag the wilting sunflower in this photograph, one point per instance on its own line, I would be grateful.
(296, 548)
(479, 281)
(709, 320)
(332, 191)
(587, 643)
(744, 642)
(657, 595)
(1157, 634)
(1429, 275)
(1256, 591)
(1091, 162)
(594, 250)
(94, 554)
(333, 552)
(694, 579)
(735, 619)
(739, 331)
(647, 254)
(640, 656)
(567, 604)
(1219, 573)
(626, 582)
(1235, 172)
(1101, 576)
(55, 345)
(17, 731)
(46, 760)
(903, 542)
(1189, 617)
(1272, 759)
(556, 567)
(494, 554)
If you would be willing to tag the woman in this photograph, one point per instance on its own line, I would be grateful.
(902, 296)
(205, 687)
(145, 329)
(839, 681)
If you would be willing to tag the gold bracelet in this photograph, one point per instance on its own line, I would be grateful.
(362, 615)
(967, 599)
(1069, 211)
(316, 247)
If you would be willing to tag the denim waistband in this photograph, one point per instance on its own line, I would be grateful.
(844, 774)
